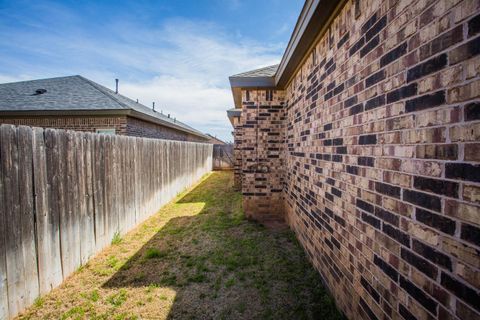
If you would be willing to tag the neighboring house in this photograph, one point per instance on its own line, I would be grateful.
(365, 140)
(214, 140)
(222, 154)
(77, 103)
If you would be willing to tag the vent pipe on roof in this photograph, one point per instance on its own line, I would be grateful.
(168, 115)
(116, 85)
(153, 106)
(137, 100)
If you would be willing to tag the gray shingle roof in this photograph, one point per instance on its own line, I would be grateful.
(75, 93)
(262, 72)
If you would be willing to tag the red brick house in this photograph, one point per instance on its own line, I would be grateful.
(365, 140)
(77, 103)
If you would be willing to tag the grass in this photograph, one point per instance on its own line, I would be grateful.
(117, 238)
(197, 258)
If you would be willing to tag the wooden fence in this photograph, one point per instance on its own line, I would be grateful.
(223, 157)
(64, 194)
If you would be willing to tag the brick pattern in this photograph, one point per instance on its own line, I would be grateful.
(380, 166)
(77, 123)
(140, 128)
(261, 141)
(123, 125)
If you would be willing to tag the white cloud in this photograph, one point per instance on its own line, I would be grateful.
(182, 65)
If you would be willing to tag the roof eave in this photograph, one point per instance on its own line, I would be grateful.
(239, 83)
(314, 17)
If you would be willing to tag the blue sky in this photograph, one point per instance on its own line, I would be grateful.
(178, 53)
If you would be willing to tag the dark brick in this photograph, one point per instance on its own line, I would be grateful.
(365, 161)
(373, 293)
(338, 89)
(352, 170)
(396, 234)
(419, 295)
(350, 102)
(375, 78)
(465, 51)
(386, 268)
(444, 187)
(421, 264)
(462, 171)
(340, 220)
(387, 216)
(376, 28)
(393, 54)
(331, 85)
(336, 192)
(422, 199)
(472, 111)
(461, 290)
(342, 150)
(342, 41)
(367, 139)
(405, 313)
(374, 222)
(471, 234)
(371, 315)
(425, 101)
(427, 67)
(402, 93)
(369, 23)
(356, 109)
(474, 26)
(375, 102)
(328, 95)
(356, 46)
(435, 221)
(369, 46)
(387, 189)
(432, 254)
(364, 206)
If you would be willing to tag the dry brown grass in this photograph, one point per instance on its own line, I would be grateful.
(197, 258)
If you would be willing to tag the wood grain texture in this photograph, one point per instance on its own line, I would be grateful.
(65, 194)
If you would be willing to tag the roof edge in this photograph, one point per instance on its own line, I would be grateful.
(315, 16)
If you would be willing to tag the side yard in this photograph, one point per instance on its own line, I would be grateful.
(197, 258)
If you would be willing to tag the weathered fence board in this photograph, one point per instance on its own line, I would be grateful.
(3, 245)
(65, 194)
(47, 220)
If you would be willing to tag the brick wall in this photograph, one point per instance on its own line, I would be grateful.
(262, 165)
(123, 125)
(78, 123)
(380, 164)
(140, 128)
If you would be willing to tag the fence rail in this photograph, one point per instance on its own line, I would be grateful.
(64, 194)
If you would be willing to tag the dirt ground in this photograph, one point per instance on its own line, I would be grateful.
(197, 258)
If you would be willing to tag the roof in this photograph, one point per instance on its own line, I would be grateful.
(76, 94)
(262, 72)
(314, 17)
(215, 140)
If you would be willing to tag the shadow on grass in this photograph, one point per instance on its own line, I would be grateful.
(222, 266)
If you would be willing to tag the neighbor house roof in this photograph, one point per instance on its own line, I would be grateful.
(314, 17)
(76, 95)
(215, 140)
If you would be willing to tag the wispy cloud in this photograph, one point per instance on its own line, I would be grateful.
(181, 64)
